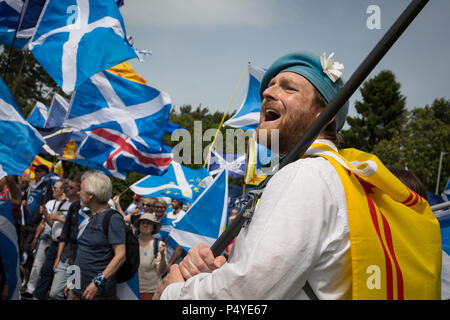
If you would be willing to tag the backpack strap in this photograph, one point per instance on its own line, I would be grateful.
(106, 219)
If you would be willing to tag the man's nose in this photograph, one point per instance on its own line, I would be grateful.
(271, 92)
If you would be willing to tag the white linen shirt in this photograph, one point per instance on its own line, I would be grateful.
(299, 232)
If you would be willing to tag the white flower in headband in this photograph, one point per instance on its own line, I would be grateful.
(331, 68)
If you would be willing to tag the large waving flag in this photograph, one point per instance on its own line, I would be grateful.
(21, 15)
(9, 253)
(207, 218)
(38, 116)
(19, 141)
(57, 113)
(115, 153)
(235, 163)
(77, 38)
(178, 181)
(247, 117)
(110, 101)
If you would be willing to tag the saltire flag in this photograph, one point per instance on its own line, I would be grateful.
(19, 141)
(178, 182)
(115, 153)
(129, 290)
(9, 253)
(110, 101)
(22, 15)
(247, 116)
(77, 38)
(38, 116)
(207, 218)
(83, 220)
(55, 140)
(166, 227)
(235, 163)
(58, 112)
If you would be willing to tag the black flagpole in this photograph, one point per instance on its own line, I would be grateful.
(357, 78)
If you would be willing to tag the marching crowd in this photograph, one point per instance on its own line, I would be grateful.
(65, 249)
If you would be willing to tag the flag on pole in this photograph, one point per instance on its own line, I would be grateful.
(247, 116)
(110, 101)
(9, 253)
(38, 116)
(179, 182)
(19, 141)
(77, 38)
(10, 20)
(207, 218)
(57, 113)
(235, 163)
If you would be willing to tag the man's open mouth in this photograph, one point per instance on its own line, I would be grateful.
(271, 115)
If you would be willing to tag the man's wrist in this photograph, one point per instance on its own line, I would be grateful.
(99, 280)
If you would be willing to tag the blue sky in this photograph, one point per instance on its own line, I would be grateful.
(201, 47)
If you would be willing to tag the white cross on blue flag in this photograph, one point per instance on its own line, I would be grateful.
(19, 141)
(78, 38)
(207, 218)
(109, 101)
(247, 117)
(235, 163)
(178, 182)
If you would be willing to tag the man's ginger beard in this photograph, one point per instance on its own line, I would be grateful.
(291, 129)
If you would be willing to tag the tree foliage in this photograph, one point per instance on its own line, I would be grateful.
(380, 113)
(26, 79)
(418, 143)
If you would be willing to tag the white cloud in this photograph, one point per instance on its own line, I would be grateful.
(194, 14)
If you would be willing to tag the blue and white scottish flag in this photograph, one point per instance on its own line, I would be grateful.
(207, 218)
(78, 38)
(9, 253)
(178, 182)
(129, 290)
(14, 16)
(235, 163)
(19, 141)
(58, 112)
(109, 101)
(115, 153)
(247, 116)
(83, 220)
(38, 116)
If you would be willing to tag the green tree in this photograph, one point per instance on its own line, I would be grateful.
(26, 79)
(417, 145)
(380, 113)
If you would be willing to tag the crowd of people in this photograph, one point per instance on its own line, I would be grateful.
(60, 227)
(334, 224)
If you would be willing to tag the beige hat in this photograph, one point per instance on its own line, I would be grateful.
(150, 217)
